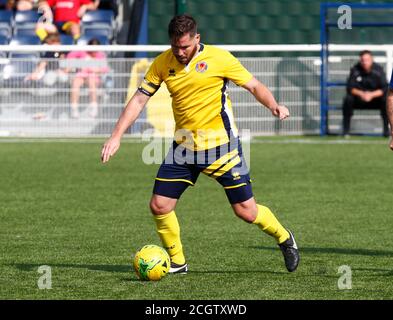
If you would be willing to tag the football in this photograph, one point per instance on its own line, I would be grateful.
(151, 262)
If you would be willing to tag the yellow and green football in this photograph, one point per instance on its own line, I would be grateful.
(151, 262)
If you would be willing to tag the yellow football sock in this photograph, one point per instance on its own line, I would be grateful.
(268, 223)
(169, 231)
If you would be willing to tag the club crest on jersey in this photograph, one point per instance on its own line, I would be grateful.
(201, 67)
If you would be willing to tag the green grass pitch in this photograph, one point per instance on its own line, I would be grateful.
(59, 206)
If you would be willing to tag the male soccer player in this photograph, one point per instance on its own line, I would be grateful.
(206, 138)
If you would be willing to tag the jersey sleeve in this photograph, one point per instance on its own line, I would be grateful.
(235, 71)
(152, 80)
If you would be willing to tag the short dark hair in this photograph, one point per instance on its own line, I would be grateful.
(52, 38)
(181, 25)
(94, 41)
(363, 52)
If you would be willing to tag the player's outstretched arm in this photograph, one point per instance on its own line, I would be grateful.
(389, 111)
(127, 118)
(265, 97)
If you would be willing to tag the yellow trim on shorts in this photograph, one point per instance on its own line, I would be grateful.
(236, 186)
(174, 180)
(227, 167)
(219, 162)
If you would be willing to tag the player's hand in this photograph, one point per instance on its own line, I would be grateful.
(109, 148)
(280, 112)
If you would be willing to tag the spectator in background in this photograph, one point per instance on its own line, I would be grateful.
(45, 26)
(24, 5)
(389, 110)
(366, 89)
(48, 69)
(21, 5)
(63, 16)
(7, 4)
(90, 75)
(48, 74)
(109, 5)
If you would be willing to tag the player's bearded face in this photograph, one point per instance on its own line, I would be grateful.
(185, 47)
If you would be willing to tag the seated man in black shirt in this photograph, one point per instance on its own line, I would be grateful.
(366, 89)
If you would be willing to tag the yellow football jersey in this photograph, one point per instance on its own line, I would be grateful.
(200, 103)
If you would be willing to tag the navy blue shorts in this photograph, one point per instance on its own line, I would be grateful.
(226, 164)
(64, 26)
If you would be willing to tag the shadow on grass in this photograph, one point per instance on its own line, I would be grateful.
(121, 268)
(191, 272)
(92, 267)
(344, 251)
(129, 269)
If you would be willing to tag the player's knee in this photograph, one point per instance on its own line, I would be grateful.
(158, 206)
(247, 211)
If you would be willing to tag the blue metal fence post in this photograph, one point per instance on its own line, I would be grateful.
(143, 37)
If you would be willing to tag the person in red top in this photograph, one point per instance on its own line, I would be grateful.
(64, 15)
